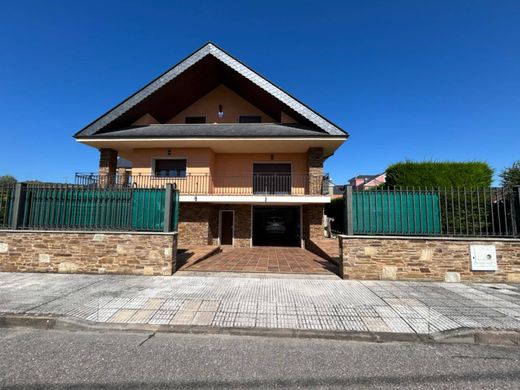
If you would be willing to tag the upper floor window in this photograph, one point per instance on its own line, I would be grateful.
(195, 119)
(249, 119)
(170, 168)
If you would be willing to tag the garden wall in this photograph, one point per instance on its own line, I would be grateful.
(88, 252)
(431, 258)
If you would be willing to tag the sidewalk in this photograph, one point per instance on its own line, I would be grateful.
(259, 302)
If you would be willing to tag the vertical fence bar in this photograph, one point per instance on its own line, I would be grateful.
(515, 202)
(349, 225)
(168, 199)
(18, 205)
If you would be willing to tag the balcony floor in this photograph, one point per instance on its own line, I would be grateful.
(265, 260)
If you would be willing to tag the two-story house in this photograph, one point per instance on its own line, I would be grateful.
(246, 156)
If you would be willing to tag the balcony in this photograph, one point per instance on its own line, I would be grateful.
(206, 184)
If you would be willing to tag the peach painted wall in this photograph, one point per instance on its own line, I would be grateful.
(231, 168)
(233, 107)
(228, 173)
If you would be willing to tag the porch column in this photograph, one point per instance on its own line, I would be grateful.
(123, 177)
(107, 167)
(315, 164)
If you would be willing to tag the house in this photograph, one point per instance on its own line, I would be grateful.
(246, 156)
(367, 181)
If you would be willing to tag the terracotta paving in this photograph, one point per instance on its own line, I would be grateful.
(329, 247)
(189, 256)
(265, 259)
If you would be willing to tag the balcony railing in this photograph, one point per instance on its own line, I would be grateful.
(206, 184)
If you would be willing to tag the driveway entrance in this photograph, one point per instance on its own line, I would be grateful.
(276, 226)
(265, 259)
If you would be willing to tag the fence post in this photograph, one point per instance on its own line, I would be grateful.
(168, 197)
(515, 209)
(18, 205)
(348, 222)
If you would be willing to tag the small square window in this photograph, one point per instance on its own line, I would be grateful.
(170, 168)
(195, 119)
(249, 119)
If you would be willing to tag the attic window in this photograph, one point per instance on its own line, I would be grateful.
(249, 119)
(170, 168)
(195, 119)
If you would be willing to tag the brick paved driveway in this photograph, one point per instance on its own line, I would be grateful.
(265, 259)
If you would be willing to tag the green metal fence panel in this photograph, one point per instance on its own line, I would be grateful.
(148, 209)
(390, 212)
(175, 210)
(65, 208)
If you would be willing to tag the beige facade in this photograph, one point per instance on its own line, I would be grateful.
(233, 106)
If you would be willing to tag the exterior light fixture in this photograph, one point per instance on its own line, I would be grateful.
(220, 111)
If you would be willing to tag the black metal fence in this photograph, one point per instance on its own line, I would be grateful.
(207, 184)
(455, 212)
(72, 207)
(6, 205)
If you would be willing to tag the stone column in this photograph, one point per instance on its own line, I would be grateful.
(315, 165)
(123, 177)
(107, 167)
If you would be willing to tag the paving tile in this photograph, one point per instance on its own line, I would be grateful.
(263, 301)
(142, 316)
(153, 304)
(122, 316)
(183, 317)
(265, 259)
(209, 306)
(375, 324)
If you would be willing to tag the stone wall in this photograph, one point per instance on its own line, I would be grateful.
(405, 258)
(107, 166)
(87, 252)
(194, 225)
(315, 166)
(242, 231)
(198, 224)
(312, 226)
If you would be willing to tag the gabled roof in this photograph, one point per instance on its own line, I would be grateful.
(114, 120)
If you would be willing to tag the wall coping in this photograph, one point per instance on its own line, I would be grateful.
(92, 232)
(431, 238)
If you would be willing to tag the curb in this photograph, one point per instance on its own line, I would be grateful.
(456, 336)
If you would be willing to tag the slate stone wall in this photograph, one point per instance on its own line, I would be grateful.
(88, 252)
(444, 259)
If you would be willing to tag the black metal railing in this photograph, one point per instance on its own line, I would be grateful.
(456, 212)
(207, 184)
(6, 204)
(72, 207)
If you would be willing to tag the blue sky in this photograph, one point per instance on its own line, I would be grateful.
(407, 79)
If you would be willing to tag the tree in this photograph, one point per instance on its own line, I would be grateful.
(511, 176)
(7, 180)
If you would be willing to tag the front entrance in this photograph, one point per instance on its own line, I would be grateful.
(276, 226)
(226, 228)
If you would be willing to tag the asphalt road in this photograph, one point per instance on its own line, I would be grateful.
(31, 359)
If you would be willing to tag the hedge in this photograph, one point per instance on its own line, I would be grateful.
(439, 174)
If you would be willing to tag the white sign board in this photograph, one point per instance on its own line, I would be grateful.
(483, 258)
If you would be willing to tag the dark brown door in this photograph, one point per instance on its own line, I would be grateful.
(226, 228)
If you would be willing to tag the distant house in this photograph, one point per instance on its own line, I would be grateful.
(366, 181)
